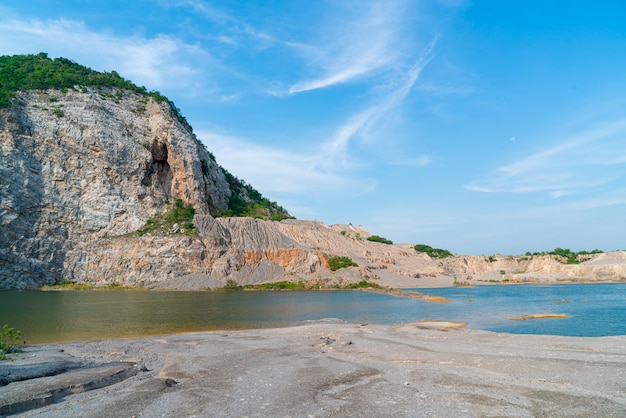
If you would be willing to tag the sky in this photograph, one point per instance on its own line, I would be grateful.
(484, 127)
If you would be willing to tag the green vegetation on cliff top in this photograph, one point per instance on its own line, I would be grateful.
(38, 72)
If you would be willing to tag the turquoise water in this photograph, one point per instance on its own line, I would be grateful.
(594, 310)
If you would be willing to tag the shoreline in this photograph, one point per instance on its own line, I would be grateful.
(333, 368)
(379, 286)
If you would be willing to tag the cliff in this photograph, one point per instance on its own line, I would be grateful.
(90, 177)
(79, 166)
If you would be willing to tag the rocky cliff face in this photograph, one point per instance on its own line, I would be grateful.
(82, 165)
(82, 170)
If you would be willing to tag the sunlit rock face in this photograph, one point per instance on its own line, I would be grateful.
(78, 166)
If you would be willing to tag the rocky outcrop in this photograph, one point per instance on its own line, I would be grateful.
(81, 165)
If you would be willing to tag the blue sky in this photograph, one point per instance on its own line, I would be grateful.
(481, 127)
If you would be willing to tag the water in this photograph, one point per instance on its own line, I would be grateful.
(594, 310)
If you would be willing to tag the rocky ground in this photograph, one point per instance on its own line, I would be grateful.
(325, 368)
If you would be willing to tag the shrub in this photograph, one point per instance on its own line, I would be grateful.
(565, 256)
(205, 167)
(279, 216)
(282, 285)
(337, 263)
(245, 200)
(232, 284)
(163, 224)
(376, 238)
(363, 284)
(8, 339)
(432, 252)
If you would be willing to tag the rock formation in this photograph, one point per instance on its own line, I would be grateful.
(82, 165)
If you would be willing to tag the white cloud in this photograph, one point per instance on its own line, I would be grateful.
(363, 40)
(278, 171)
(359, 124)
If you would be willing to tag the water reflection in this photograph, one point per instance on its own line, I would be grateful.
(88, 315)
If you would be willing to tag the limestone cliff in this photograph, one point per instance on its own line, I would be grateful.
(84, 164)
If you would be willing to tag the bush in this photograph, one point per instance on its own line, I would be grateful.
(282, 285)
(363, 284)
(246, 201)
(432, 252)
(232, 284)
(205, 167)
(8, 339)
(164, 224)
(376, 238)
(569, 256)
(337, 263)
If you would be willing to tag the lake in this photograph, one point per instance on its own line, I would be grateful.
(55, 316)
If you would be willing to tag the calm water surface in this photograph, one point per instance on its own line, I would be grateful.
(594, 310)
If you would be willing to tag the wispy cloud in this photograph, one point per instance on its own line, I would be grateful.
(366, 40)
(582, 161)
(359, 124)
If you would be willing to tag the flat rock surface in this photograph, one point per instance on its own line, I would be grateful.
(330, 368)
(28, 394)
(36, 362)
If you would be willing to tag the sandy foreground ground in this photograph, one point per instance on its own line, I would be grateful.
(331, 368)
